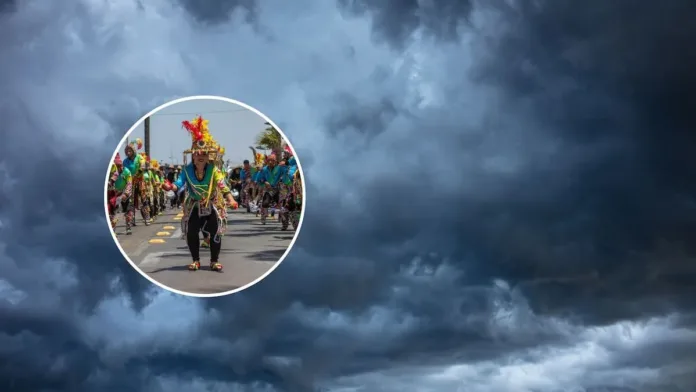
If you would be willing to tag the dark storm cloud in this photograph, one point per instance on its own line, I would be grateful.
(396, 20)
(580, 229)
(7, 6)
(577, 229)
(375, 286)
(217, 11)
(65, 223)
(364, 118)
(65, 360)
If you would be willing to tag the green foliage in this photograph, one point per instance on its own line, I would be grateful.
(270, 139)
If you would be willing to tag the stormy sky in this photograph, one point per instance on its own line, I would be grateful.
(500, 195)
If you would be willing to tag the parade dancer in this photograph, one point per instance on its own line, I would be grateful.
(204, 183)
(296, 199)
(156, 179)
(255, 188)
(219, 158)
(155, 186)
(216, 158)
(269, 179)
(112, 193)
(162, 197)
(133, 163)
(284, 195)
(171, 177)
(122, 182)
(148, 187)
(245, 177)
(286, 190)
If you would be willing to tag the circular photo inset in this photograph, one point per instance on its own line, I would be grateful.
(204, 196)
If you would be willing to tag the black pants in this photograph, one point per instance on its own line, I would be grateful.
(180, 198)
(269, 198)
(155, 206)
(196, 224)
(290, 203)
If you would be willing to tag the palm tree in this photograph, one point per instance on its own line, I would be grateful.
(270, 139)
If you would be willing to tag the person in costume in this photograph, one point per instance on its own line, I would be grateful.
(156, 181)
(148, 187)
(180, 194)
(151, 183)
(133, 163)
(270, 180)
(112, 193)
(220, 203)
(245, 178)
(159, 192)
(297, 187)
(171, 177)
(122, 184)
(287, 198)
(234, 179)
(163, 194)
(204, 184)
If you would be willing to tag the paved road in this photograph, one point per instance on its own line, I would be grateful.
(249, 249)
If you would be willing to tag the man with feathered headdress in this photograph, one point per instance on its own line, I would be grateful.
(204, 184)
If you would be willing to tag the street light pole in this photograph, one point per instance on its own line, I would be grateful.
(147, 136)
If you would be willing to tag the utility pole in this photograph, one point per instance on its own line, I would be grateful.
(147, 136)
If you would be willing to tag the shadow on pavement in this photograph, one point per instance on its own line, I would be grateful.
(255, 233)
(174, 268)
(236, 222)
(268, 255)
(202, 250)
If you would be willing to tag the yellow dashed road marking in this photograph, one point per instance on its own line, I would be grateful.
(163, 233)
(157, 241)
(169, 228)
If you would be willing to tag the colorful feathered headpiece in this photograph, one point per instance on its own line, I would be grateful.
(289, 150)
(131, 146)
(155, 164)
(201, 140)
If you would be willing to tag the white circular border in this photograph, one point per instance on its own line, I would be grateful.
(299, 167)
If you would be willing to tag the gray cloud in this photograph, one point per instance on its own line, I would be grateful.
(491, 209)
(396, 21)
(215, 12)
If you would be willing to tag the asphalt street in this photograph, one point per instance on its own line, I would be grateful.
(249, 250)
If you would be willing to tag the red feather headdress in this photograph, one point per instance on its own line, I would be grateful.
(194, 127)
